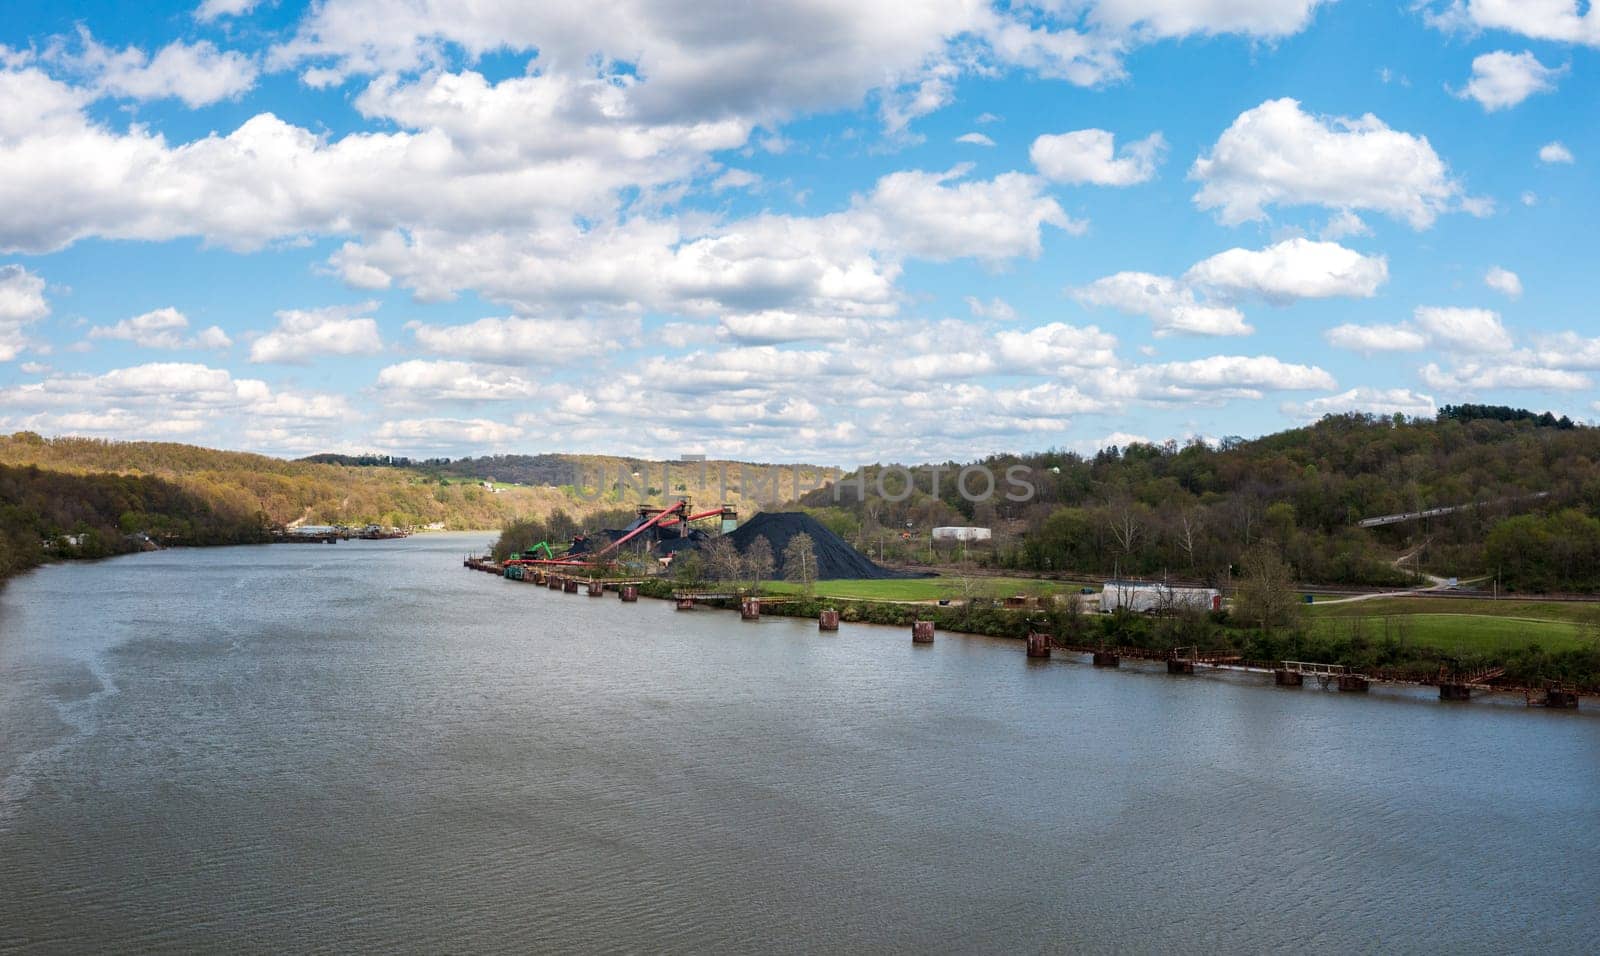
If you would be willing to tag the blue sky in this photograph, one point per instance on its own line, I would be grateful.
(817, 230)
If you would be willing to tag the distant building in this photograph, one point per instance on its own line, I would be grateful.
(1151, 597)
(965, 535)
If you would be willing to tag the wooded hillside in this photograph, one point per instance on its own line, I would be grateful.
(1193, 510)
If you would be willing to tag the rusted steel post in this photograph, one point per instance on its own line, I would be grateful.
(1288, 678)
(685, 604)
(1353, 682)
(570, 585)
(1038, 644)
(922, 632)
(1106, 659)
(750, 609)
(628, 593)
(828, 620)
(1176, 666)
(597, 589)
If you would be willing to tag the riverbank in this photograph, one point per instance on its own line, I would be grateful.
(1389, 656)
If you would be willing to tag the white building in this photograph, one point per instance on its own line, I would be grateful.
(967, 535)
(1146, 597)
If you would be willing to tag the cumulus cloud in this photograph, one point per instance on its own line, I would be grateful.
(975, 139)
(1452, 329)
(1089, 156)
(838, 265)
(936, 216)
(22, 303)
(1554, 153)
(1290, 270)
(1216, 378)
(1482, 376)
(162, 329)
(1377, 401)
(1376, 338)
(1565, 21)
(304, 334)
(1203, 301)
(1567, 350)
(1501, 80)
(447, 435)
(1056, 347)
(523, 341)
(995, 308)
(419, 381)
(1166, 302)
(1277, 154)
(1177, 18)
(1463, 330)
(173, 399)
(210, 10)
(1503, 281)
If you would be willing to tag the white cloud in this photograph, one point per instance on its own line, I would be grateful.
(1567, 350)
(199, 73)
(162, 329)
(214, 9)
(520, 341)
(935, 216)
(1560, 20)
(1290, 270)
(1376, 401)
(1056, 347)
(1501, 80)
(174, 399)
(1279, 155)
(1552, 153)
(1503, 281)
(1344, 224)
(1177, 18)
(22, 303)
(1376, 338)
(1168, 303)
(421, 382)
(975, 139)
(304, 334)
(1279, 274)
(1463, 330)
(995, 308)
(735, 179)
(1215, 378)
(1089, 156)
(447, 435)
(1481, 376)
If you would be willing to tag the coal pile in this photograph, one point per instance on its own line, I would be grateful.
(836, 558)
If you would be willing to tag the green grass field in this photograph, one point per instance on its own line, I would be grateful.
(1463, 625)
(926, 589)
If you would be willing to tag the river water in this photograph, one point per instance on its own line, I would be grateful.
(366, 747)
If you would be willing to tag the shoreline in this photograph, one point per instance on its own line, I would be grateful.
(1015, 624)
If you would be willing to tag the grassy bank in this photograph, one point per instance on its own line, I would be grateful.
(1407, 644)
(1464, 626)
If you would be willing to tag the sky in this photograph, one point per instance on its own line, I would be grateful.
(830, 231)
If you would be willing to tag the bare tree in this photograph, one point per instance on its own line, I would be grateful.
(1190, 523)
(758, 560)
(800, 562)
(722, 560)
(1126, 523)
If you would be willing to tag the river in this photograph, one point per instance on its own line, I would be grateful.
(366, 747)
